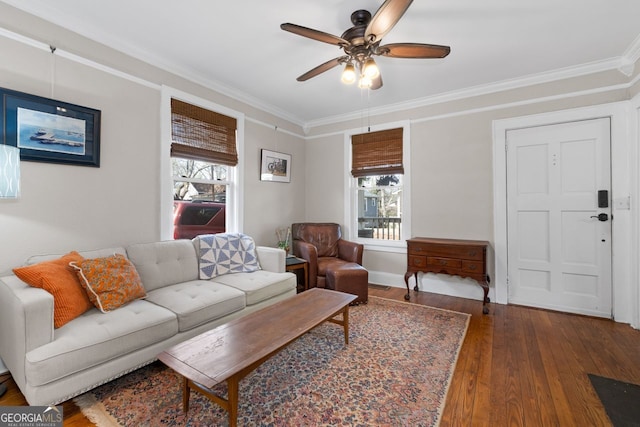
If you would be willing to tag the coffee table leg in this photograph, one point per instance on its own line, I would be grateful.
(186, 391)
(232, 389)
(345, 320)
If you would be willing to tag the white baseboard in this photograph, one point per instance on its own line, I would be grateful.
(437, 283)
(3, 369)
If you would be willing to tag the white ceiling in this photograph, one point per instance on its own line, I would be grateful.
(238, 48)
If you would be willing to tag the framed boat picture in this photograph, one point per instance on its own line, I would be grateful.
(46, 130)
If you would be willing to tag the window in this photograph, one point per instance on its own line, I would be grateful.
(203, 152)
(378, 186)
(380, 207)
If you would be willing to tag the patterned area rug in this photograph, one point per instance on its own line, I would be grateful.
(395, 371)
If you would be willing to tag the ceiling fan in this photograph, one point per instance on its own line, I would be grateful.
(362, 42)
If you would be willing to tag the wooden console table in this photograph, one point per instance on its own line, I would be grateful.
(464, 258)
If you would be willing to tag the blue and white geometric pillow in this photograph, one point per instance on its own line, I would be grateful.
(227, 253)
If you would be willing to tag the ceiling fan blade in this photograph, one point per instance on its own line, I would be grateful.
(414, 50)
(376, 83)
(385, 19)
(322, 68)
(314, 34)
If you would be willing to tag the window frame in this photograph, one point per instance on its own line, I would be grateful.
(350, 229)
(235, 186)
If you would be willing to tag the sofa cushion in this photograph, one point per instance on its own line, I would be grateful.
(259, 285)
(164, 263)
(96, 337)
(226, 253)
(198, 301)
(110, 282)
(58, 278)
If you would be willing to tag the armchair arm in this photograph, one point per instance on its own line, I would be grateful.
(308, 252)
(350, 251)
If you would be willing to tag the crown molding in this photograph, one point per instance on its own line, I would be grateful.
(276, 128)
(624, 64)
(76, 58)
(52, 15)
(533, 79)
(630, 57)
(233, 93)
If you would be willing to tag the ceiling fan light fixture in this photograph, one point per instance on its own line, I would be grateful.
(362, 42)
(365, 82)
(349, 74)
(371, 69)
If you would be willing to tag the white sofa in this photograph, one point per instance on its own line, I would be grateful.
(52, 365)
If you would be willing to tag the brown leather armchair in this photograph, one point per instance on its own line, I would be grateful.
(334, 263)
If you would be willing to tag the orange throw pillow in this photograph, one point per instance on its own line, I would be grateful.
(110, 282)
(60, 280)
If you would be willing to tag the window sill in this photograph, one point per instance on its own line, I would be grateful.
(399, 247)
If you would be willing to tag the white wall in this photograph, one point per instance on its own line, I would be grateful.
(65, 208)
(68, 207)
(452, 175)
(269, 205)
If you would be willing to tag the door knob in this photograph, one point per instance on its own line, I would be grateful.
(601, 217)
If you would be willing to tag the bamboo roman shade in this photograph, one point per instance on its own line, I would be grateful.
(377, 153)
(201, 134)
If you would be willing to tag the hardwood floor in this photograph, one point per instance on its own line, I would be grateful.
(517, 367)
(520, 366)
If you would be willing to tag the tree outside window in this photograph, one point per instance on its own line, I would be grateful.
(198, 180)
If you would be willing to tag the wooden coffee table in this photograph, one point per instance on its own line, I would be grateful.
(233, 350)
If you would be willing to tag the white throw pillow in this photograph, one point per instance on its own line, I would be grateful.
(226, 253)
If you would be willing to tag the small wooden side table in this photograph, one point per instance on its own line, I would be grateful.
(293, 263)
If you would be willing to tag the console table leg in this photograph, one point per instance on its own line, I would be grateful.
(406, 282)
(485, 288)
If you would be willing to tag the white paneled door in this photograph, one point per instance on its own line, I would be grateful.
(559, 217)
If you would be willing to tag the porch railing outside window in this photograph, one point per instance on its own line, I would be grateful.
(383, 228)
